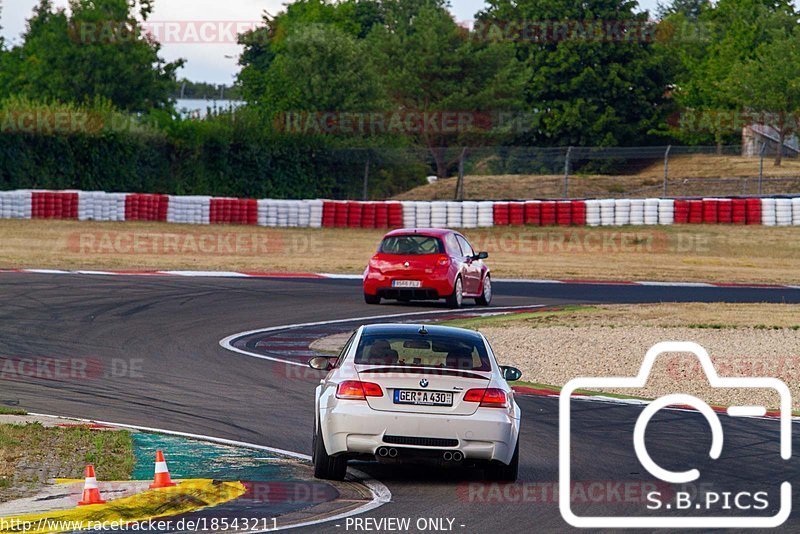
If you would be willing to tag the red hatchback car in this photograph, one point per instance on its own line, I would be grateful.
(427, 264)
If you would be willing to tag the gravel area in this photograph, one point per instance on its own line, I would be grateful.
(556, 354)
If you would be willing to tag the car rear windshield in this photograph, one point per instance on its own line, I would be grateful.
(415, 350)
(411, 244)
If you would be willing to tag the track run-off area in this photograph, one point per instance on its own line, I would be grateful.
(155, 349)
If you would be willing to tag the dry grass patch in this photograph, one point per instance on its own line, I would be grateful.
(687, 252)
(646, 182)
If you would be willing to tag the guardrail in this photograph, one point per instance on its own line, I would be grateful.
(318, 213)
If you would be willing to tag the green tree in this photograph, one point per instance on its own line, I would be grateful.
(320, 68)
(98, 51)
(262, 45)
(691, 9)
(594, 84)
(431, 65)
(725, 36)
(768, 85)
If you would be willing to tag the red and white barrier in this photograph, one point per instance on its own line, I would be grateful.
(117, 207)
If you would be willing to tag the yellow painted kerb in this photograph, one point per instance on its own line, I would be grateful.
(188, 496)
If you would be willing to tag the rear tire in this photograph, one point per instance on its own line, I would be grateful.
(486, 293)
(457, 298)
(326, 467)
(371, 299)
(504, 473)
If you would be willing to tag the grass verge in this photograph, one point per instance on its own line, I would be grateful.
(31, 454)
(751, 254)
(6, 410)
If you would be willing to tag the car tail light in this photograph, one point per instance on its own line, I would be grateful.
(489, 398)
(443, 261)
(356, 390)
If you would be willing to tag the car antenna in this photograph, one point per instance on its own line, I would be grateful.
(422, 331)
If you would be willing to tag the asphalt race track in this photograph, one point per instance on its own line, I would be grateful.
(155, 346)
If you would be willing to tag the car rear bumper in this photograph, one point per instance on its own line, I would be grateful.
(488, 434)
(433, 286)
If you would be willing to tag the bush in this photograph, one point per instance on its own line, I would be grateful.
(231, 154)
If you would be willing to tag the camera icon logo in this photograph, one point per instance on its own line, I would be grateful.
(675, 477)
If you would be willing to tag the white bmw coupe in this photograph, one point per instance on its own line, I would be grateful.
(411, 393)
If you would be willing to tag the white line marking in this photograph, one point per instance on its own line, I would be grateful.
(524, 281)
(227, 343)
(380, 493)
(676, 284)
(220, 274)
(747, 411)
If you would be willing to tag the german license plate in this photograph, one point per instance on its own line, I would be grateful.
(406, 283)
(423, 398)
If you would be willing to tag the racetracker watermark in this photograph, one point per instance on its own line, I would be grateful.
(451, 122)
(162, 31)
(617, 492)
(69, 369)
(49, 122)
(206, 243)
(571, 241)
(730, 120)
(288, 492)
(557, 31)
(596, 241)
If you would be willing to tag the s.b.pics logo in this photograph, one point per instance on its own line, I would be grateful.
(713, 472)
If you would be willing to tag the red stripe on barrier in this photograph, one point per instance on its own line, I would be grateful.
(328, 214)
(725, 211)
(579, 212)
(533, 213)
(354, 212)
(695, 211)
(54, 205)
(738, 211)
(395, 214)
(564, 213)
(516, 213)
(501, 214)
(681, 211)
(369, 215)
(548, 213)
(753, 213)
(382, 215)
(710, 211)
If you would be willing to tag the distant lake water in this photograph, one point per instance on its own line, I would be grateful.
(199, 108)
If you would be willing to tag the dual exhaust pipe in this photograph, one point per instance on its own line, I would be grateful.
(455, 456)
(447, 456)
(387, 452)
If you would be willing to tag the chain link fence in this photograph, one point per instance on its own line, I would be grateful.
(583, 172)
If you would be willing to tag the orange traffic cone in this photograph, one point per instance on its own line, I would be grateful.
(162, 479)
(91, 494)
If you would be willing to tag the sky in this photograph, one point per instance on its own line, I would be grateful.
(203, 31)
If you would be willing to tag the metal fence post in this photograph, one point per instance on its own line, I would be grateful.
(666, 168)
(460, 183)
(365, 192)
(566, 173)
(761, 166)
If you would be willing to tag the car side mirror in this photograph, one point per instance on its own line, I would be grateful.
(511, 374)
(481, 255)
(321, 363)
